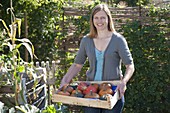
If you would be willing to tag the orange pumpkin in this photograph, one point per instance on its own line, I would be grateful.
(68, 88)
(77, 93)
(105, 85)
(106, 91)
(92, 95)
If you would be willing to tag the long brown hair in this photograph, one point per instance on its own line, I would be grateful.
(97, 8)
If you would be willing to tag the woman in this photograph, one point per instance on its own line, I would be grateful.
(106, 50)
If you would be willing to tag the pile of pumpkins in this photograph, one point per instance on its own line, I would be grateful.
(86, 90)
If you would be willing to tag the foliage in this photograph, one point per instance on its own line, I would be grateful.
(54, 108)
(24, 109)
(44, 20)
(148, 91)
(130, 3)
(13, 57)
(50, 109)
(11, 64)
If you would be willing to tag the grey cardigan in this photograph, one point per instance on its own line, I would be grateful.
(116, 52)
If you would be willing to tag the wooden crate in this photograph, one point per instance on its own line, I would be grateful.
(97, 103)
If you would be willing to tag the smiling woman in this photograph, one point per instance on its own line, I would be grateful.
(105, 50)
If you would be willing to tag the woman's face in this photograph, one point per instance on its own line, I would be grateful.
(100, 21)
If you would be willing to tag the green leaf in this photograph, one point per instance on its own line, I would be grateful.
(20, 68)
(6, 27)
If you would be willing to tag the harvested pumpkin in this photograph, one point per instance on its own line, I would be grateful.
(91, 94)
(105, 85)
(92, 88)
(68, 88)
(106, 91)
(77, 93)
(105, 96)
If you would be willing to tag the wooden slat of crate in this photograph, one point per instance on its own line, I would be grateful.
(109, 104)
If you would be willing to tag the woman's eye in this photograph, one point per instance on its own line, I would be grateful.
(102, 17)
(99, 18)
(95, 17)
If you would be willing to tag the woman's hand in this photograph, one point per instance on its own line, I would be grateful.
(128, 74)
(121, 88)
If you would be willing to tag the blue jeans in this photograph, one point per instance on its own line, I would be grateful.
(118, 108)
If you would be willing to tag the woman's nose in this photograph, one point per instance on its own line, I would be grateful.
(100, 19)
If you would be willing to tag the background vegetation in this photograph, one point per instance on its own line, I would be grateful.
(148, 90)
